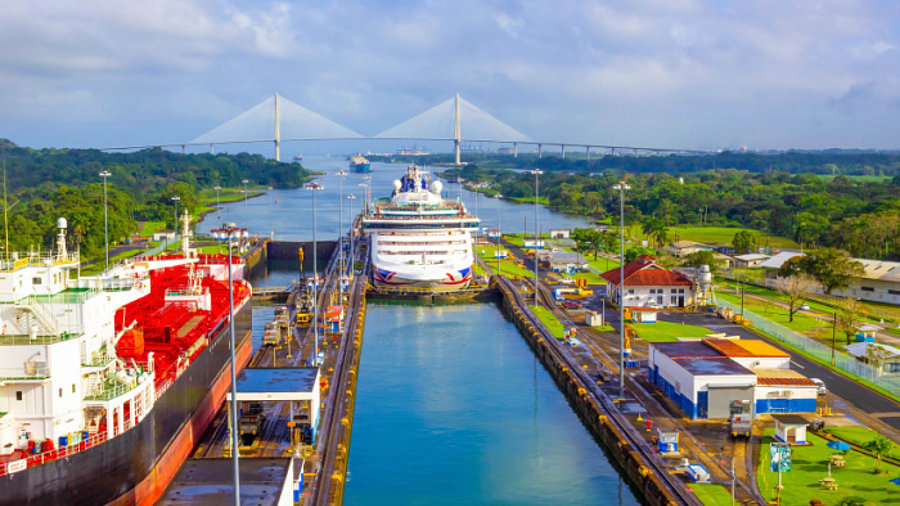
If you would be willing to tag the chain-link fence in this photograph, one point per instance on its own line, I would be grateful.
(842, 360)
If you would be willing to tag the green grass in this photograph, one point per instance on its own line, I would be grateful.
(507, 267)
(712, 495)
(530, 200)
(724, 235)
(667, 332)
(149, 227)
(802, 323)
(809, 464)
(551, 322)
(868, 179)
(855, 434)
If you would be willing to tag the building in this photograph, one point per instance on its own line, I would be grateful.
(774, 263)
(530, 243)
(563, 261)
(649, 284)
(704, 377)
(159, 235)
(559, 233)
(683, 248)
(882, 356)
(879, 283)
(750, 260)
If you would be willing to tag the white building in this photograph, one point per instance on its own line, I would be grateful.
(879, 283)
(648, 284)
(704, 377)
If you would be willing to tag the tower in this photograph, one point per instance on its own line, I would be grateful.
(277, 132)
(457, 135)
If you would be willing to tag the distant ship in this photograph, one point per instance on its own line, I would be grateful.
(418, 238)
(413, 151)
(298, 158)
(109, 379)
(359, 163)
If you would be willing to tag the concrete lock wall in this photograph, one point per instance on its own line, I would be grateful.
(287, 251)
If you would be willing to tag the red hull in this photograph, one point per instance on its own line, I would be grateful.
(151, 488)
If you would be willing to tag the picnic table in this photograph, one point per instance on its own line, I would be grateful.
(829, 483)
(838, 461)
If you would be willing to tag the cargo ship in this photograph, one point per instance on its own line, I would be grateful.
(418, 238)
(360, 163)
(108, 381)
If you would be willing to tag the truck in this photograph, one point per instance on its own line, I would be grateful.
(250, 423)
(741, 418)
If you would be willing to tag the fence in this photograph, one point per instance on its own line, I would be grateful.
(842, 360)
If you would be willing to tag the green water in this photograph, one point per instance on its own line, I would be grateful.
(453, 408)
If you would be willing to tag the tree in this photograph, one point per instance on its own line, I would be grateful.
(832, 267)
(703, 257)
(797, 289)
(879, 446)
(744, 241)
(588, 239)
(848, 315)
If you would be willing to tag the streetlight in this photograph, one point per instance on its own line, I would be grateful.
(536, 172)
(315, 187)
(245, 181)
(227, 233)
(621, 187)
(105, 174)
(218, 210)
(351, 197)
(175, 198)
(365, 190)
(341, 173)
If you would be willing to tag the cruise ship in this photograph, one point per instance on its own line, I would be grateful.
(108, 381)
(418, 238)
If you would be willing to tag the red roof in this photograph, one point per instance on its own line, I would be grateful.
(797, 382)
(642, 271)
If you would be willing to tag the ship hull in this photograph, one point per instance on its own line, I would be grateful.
(136, 466)
(446, 278)
(363, 167)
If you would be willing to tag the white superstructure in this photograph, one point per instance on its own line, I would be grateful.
(418, 238)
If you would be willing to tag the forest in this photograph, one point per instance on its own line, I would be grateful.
(43, 185)
(857, 215)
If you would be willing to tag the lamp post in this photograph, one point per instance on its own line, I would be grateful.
(244, 182)
(315, 187)
(341, 173)
(621, 187)
(227, 233)
(175, 199)
(536, 172)
(351, 197)
(105, 174)
(365, 192)
(218, 210)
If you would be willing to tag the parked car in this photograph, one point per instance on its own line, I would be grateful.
(804, 307)
(572, 304)
(822, 390)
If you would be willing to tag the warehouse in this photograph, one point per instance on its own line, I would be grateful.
(704, 377)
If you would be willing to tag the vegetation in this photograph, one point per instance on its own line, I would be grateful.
(549, 320)
(744, 241)
(881, 447)
(831, 267)
(663, 332)
(796, 289)
(848, 316)
(860, 216)
(49, 183)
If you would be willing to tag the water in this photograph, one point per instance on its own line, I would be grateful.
(287, 214)
(453, 408)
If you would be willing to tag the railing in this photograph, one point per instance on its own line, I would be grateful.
(818, 350)
(110, 389)
(8, 264)
(62, 452)
(24, 339)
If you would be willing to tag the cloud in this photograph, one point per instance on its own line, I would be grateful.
(689, 73)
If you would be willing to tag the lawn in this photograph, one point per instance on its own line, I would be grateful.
(712, 495)
(667, 332)
(507, 267)
(530, 200)
(725, 235)
(149, 227)
(856, 434)
(868, 179)
(551, 322)
(801, 323)
(809, 464)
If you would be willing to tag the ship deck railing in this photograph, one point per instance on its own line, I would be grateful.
(36, 459)
(25, 339)
(427, 290)
(12, 264)
(109, 389)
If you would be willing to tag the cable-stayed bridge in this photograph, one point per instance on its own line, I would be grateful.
(277, 120)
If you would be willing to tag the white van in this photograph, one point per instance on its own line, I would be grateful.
(822, 390)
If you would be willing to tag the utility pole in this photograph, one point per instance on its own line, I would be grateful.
(105, 174)
(537, 281)
(833, 336)
(621, 187)
(341, 173)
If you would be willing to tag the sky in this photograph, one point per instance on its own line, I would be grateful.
(679, 74)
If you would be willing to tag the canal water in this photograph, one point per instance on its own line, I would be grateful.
(452, 406)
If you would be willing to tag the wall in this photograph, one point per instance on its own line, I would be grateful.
(642, 296)
(771, 399)
(881, 291)
(764, 362)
